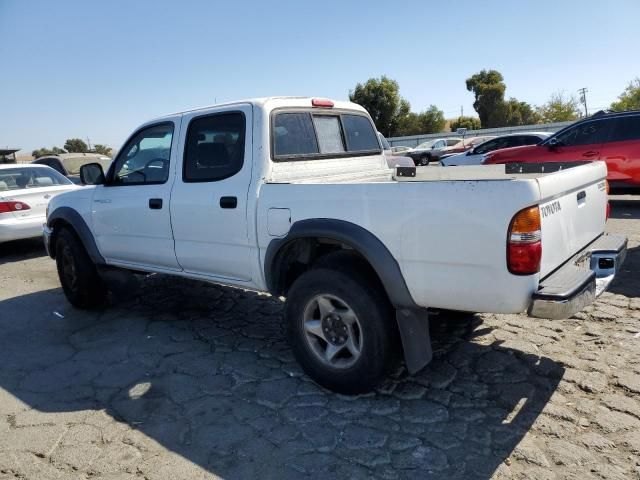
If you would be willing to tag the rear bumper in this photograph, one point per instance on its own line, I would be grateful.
(18, 229)
(579, 281)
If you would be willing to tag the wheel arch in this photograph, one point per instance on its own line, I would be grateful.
(301, 243)
(68, 217)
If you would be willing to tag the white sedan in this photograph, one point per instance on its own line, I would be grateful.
(475, 155)
(25, 191)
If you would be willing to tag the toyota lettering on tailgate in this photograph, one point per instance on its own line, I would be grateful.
(551, 209)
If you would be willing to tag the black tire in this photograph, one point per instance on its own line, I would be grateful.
(341, 277)
(79, 278)
(425, 160)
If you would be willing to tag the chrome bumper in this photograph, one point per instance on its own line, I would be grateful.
(46, 237)
(579, 281)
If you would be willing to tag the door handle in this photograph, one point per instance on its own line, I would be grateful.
(228, 202)
(590, 153)
(155, 203)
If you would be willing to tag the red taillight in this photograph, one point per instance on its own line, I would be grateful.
(321, 102)
(6, 207)
(524, 246)
(608, 211)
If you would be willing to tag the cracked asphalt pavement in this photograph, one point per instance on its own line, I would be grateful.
(196, 381)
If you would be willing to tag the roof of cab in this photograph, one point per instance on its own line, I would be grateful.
(273, 102)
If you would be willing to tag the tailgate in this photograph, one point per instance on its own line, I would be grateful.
(572, 210)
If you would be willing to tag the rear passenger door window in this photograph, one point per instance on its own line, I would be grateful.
(214, 147)
(626, 128)
(588, 133)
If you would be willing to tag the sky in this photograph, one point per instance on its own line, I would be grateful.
(97, 69)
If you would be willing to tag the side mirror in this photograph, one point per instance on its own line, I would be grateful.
(553, 144)
(92, 174)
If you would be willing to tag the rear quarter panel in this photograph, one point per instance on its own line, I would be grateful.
(449, 237)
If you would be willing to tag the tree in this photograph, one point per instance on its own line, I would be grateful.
(432, 120)
(559, 108)
(630, 98)
(75, 145)
(488, 88)
(41, 152)
(515, 112)
(470, 123)
(408, 124)
(102, 149)
(381, 98)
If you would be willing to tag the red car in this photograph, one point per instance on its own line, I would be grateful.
(608, 136)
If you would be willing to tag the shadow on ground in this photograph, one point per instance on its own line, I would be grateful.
(19, 250)
(206, 373)
(626, 209)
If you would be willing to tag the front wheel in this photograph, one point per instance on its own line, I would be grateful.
(79, 278)
(341, 329)
(425, 160)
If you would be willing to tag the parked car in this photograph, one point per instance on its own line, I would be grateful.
(25, 191)
(475, 155)
(392, 159)
(400, 149)
(287, 195)
(608, 136)
(465, 145)
(432, 150)
(68, 164)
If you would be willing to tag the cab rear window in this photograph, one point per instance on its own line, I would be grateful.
(307, 135)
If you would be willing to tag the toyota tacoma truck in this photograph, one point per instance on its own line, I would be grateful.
(292, 196)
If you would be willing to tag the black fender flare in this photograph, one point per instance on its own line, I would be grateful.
(71, 217)
(356, 237)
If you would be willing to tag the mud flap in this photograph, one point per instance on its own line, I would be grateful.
(416, 341)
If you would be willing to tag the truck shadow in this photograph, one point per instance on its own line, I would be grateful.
(205, 372)
(626, 280)
(625, 209)
(18, 250)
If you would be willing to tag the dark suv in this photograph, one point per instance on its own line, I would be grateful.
(613, 137)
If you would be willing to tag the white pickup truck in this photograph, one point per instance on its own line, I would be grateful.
(292, 196)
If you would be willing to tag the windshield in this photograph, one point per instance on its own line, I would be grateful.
(425, 145)
(73, 164)
(21, 178)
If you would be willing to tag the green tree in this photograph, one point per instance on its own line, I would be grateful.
(515, 112)
(432, 120)
(381, 98)
(488, 88)
(75, 145)
(470, 123)
(630, 98)
(102, 149)
(41, 152)
(408, 124)
(559, 108)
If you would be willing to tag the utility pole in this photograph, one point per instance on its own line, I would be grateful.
(88, 144)
(583, 99)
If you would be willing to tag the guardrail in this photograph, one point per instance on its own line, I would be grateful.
(414, 140)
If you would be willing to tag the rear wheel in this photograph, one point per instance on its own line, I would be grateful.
(79, 278)
(341, 328)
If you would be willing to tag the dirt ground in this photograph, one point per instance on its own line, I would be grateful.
(194, 381)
